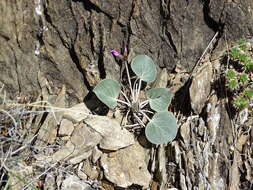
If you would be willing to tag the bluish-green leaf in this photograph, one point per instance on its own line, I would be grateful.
(144, 67)
(108, 91)
(162, 128)
(159, 98)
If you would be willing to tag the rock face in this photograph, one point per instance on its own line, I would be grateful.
(69, 41)
(201, 87)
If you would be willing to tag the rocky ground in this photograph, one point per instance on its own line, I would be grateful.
(45, 145)
(54, 134)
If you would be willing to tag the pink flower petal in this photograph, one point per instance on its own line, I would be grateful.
(115, 53)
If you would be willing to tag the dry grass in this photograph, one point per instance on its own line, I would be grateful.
(20, 166)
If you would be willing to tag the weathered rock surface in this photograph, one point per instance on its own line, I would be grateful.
(39, 44)
(80, 145)
(200, 87)
(90, 170)
(77, 113)
(127, 166)
(113, 135)
(50, 183)
(74, 183)
(48, 129)
(65, 130)
(202, 140)
(70, 40)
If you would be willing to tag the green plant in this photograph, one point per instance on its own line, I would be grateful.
(160, 124)
(239, 76)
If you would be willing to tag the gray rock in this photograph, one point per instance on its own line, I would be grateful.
(213, 118)
(127, 166)
(50, 183)
(74, 183)
(200, 87)
(161, 79)
(80, 145)
(70, 46)
(65, 129)
(96, 154)
(113, 135)
(48, 130)
(243, 116)
(77, 113)
(90, 170)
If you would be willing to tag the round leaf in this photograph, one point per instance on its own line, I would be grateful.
(162, 128)
(159, 98)
(144, 67)
(108, 91)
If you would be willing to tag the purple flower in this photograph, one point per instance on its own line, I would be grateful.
(115, 53)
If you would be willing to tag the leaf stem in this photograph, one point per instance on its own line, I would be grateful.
(130, 126)
(147, 111)
(125, 96)
(139, 120)
(145, 115)
(144, 103)
(129, 79)
(134, 89)
(123, 102)
(138, 90)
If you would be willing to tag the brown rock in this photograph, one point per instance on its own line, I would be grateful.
(113, 135)
(80, 145)
(65, 130)
(77, 113)
(127, 166)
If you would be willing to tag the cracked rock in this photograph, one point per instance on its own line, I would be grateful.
(127, 166)
(200, 87)
(77, 113)
(65, 129)
(113, 135)
(74, 183)
(80, 145)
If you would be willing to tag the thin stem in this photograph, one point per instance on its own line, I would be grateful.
(139, 120)
(145, 115)
(123, 102)
(128, 111)
(12, 118)
(144, 103)
(135, 92)
(129, 79)
(130, 126)
(134, 89)
(124, 120)
(25, 146)
(125, 96)
(138, 91)
(147, 111)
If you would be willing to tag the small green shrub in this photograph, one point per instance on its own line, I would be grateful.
(162, 127)
(239, 81)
